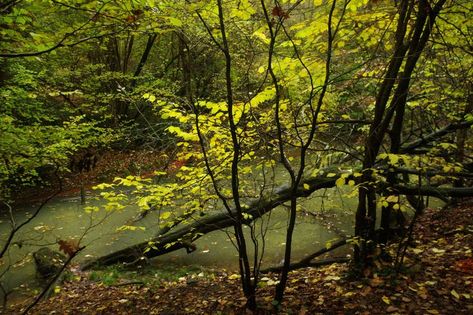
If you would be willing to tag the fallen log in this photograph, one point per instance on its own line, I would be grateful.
(439, 192)
(182, 237)
(435, 135)
(174, 240)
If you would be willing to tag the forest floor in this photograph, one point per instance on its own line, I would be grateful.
(436, 278)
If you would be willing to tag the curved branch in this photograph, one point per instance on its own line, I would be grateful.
(410, 147)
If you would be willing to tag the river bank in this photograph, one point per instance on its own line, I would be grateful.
(110, 164)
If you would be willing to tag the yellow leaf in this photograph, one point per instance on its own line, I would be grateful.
(57, 289)
(438, 252)
(392, 198)
(340, 182)
(386, 299)
(417, 250)
(330, 278)
(306, 186)
(165, 215)
(331, 175)
(234, 276)
(455, 294)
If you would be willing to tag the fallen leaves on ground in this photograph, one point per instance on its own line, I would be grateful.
(437, 279)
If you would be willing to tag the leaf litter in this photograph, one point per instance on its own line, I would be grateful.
(437, 278)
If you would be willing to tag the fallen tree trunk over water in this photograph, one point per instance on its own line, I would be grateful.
(174, 240)
(183, 237)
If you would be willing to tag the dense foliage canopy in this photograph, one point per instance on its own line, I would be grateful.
(253, 105)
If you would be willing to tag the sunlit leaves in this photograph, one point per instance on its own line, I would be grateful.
(165, 215)
(130, 181)
(187, 136)
(130, 228)
(243, 11)
(261, 36)
(340, 182)
(386, 201)
(90, 209)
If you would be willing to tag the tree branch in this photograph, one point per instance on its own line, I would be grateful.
(60, 43)
(410, 147)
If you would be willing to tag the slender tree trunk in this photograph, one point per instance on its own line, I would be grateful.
(144, 58)
(247, 283)
(185, 58)
(461, 137)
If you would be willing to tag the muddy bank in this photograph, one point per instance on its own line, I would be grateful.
(110, 164)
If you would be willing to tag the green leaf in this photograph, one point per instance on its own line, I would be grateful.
(174, 21)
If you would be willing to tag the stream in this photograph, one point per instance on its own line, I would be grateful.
(331, 217)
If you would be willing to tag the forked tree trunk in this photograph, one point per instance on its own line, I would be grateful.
(408, 50)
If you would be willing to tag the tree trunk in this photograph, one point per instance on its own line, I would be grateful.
(409, 46)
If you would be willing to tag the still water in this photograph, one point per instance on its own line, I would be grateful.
(326, 216)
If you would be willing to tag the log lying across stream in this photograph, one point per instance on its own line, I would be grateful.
(182, 237)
